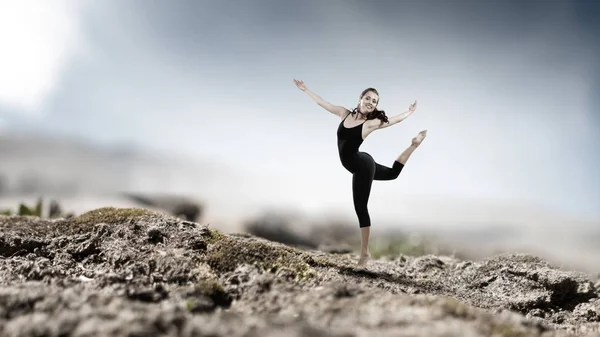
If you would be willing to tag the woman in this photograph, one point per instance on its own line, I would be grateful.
(355, 126)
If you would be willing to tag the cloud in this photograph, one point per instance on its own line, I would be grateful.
(39, 38)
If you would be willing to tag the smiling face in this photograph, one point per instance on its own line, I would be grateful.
(368, 101)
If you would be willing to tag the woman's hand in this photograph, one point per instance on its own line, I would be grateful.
(399, 118)
(412, 107)
(334, 109)
(300, 84)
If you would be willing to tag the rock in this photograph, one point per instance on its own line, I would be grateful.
(55, 210)
(341, 248)
(278, 228)
(522, 282)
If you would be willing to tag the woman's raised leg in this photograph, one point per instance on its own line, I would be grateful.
(383, 172)
(416, 141)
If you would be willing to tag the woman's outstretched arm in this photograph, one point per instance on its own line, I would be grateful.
(334, 109)
(399, 118)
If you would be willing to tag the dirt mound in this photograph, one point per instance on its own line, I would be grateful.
(132, 272)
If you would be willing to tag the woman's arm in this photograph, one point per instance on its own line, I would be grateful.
(334, 109)
(399, 118)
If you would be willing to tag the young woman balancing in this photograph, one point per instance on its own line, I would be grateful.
(354, 127)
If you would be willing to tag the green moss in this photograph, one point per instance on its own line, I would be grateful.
(213, 236)
(212, 289)
(325, 263)
(508, 331)
(227, 253)
(299, 270)
(455, 308)
(111, 215)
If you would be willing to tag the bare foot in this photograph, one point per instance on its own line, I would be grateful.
(416, 141)
(362, 261)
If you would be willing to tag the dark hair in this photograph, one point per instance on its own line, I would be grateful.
(380, 114)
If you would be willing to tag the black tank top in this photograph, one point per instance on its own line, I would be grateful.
(349, 141)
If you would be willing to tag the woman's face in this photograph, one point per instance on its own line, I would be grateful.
(368, 102)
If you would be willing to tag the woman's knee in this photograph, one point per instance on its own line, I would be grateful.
(362, 212)
(364, 220)
(396, 169)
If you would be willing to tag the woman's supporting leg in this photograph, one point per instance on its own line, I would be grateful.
(362, 180)
(364, 246)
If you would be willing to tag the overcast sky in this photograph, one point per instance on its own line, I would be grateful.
(508, 90)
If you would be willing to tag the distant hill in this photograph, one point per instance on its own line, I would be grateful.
(68, 166)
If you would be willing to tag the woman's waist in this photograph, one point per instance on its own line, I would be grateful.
(347, 154)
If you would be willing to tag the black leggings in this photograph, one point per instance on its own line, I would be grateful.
(365, 171)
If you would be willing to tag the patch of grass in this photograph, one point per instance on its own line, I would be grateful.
(24, 210)
(227, 253)
(36, 210)
(396, 245)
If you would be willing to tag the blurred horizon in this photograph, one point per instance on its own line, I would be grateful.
(197, 98)
(39, 165)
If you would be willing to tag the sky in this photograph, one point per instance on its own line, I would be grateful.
(508, 91)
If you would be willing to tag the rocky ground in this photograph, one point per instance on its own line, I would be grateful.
(131, 272)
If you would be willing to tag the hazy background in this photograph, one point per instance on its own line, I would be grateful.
(196, 97)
